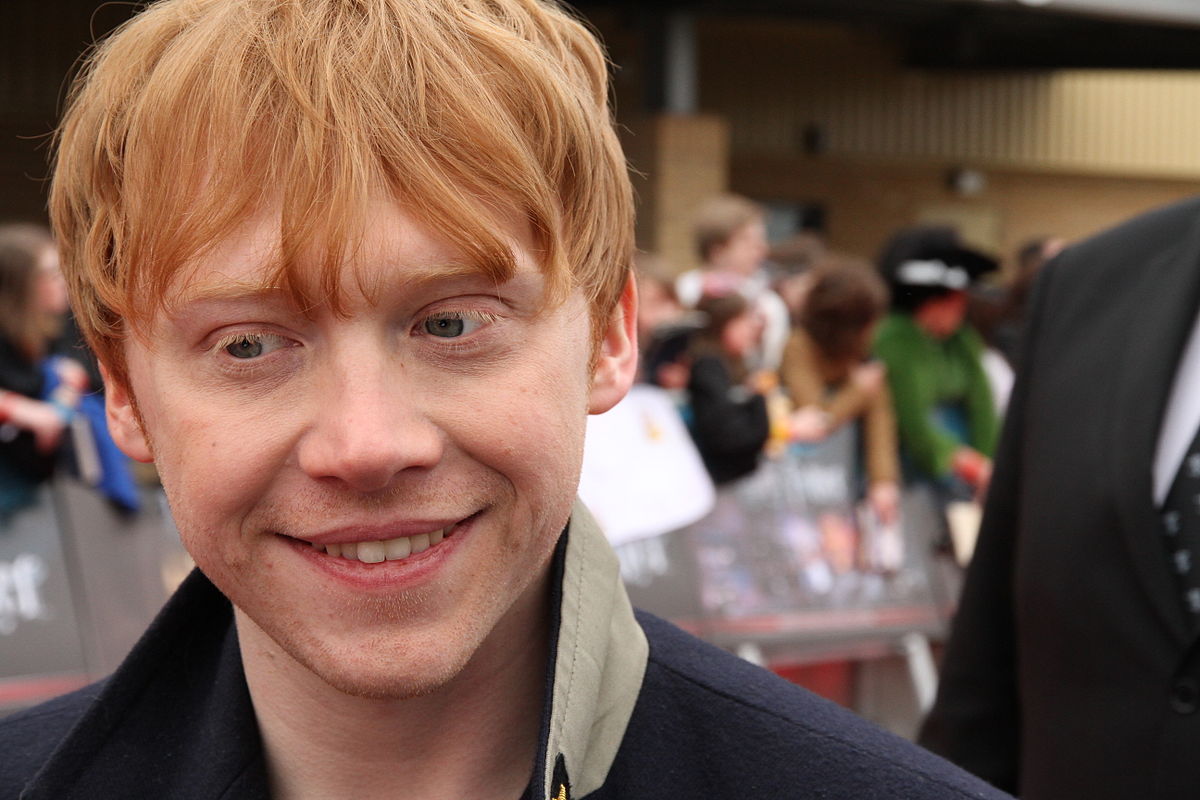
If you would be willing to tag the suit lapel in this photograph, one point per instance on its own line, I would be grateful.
(1157, 327)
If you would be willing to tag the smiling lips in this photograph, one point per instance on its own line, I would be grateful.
(375, 552)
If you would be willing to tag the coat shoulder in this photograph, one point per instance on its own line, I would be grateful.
(708, 724)
(1082, 289)
(1136, 241)
(28, 738)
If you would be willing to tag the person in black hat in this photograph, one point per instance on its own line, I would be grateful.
(945, 414)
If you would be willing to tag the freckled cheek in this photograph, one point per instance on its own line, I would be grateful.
(538, 450)
(525, 424)
(217, 468)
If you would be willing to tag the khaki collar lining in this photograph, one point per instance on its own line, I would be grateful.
(599, 664)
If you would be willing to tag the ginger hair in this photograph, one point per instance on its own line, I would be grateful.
(197, 114)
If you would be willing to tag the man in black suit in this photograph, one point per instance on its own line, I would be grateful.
(1074, 664)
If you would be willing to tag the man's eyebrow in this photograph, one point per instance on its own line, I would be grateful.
(217, 291)
(220, 289)
(422, 274)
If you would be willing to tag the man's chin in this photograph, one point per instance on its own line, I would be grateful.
(382, 673)
(384, 687)
(380, 666)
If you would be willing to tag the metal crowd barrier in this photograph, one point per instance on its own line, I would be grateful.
(79, 582)
(790, 569)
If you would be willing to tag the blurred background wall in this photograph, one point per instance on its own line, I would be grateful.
(1011, 119)
(40, 40)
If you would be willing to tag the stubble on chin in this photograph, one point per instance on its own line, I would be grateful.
(384, 666)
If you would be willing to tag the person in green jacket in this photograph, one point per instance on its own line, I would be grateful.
(945, 415)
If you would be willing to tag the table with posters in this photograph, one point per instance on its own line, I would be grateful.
(79, 582)
(788, 568)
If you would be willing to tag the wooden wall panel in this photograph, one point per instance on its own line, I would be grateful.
(775, 80)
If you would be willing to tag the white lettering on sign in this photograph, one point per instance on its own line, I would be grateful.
(643, 560)
(821, 484)
(20, 591)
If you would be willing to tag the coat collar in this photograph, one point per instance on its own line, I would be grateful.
(151, 730)
(599, 661)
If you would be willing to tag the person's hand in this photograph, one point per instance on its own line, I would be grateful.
(71, 373)
(43, 420)
(72, 383)
(808, 424)
(974, 468)
(884, 497)
(868, 378)
(985, 480)
(764, 381)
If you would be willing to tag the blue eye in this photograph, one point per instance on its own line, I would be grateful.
(452, 325)
(445, 327)
(246, 346)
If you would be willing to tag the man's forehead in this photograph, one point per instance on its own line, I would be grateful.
(386, 248)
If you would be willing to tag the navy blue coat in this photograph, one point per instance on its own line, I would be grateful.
(176, 722)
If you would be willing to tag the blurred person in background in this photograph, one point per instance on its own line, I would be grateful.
(664, 326)
(797, 254)
(666, 362)
(945, 411)
(997, 311)
(1073, 666)
(642, 475)
(39, 390)
(726, 398)
(730, 234)
(1030, 258)
(986, 305)
(658, 305)
(826, 368)
(790, 263)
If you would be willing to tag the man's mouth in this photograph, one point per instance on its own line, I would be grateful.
(376, 551)
(386, 550)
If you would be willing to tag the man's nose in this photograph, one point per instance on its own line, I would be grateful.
(368, 427)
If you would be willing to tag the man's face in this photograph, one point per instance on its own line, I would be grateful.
(376, 492)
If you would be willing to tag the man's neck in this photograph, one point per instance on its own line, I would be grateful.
(476, 736)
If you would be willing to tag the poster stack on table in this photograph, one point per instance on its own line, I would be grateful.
(785, 562)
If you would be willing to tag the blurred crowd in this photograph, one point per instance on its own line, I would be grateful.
(51, 411)
(761, 349)
(765, 348)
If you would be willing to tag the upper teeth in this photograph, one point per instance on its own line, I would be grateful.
(385, 550)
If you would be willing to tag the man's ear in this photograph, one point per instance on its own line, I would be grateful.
(616, 362)
(124, 422)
